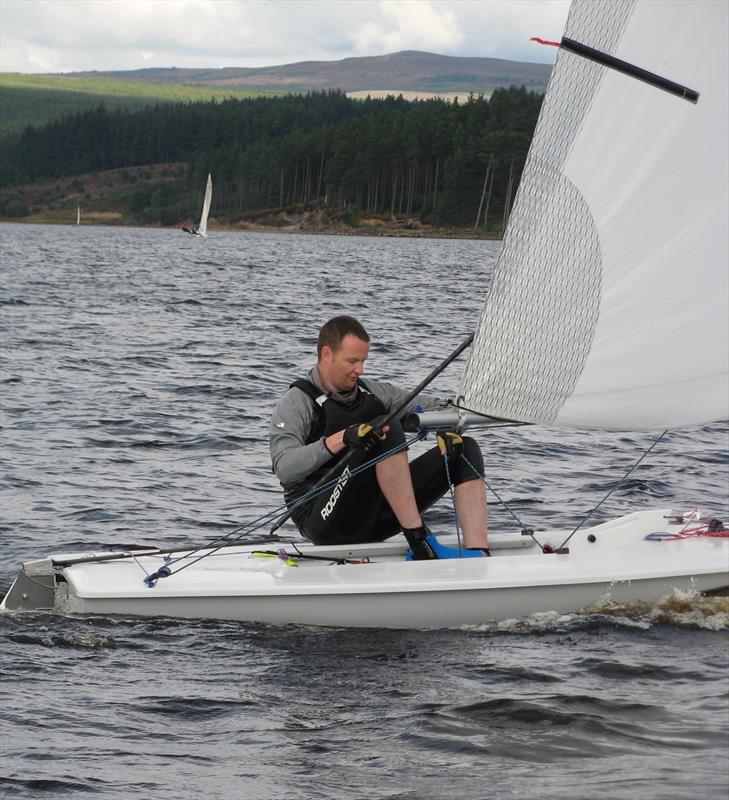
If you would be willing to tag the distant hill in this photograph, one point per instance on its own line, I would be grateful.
(407, 71)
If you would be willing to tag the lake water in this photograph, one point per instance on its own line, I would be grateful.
(139, 370)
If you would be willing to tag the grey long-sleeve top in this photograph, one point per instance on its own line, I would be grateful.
(293, 460)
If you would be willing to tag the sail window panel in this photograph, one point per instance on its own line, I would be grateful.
(537, 326)
(531, 350)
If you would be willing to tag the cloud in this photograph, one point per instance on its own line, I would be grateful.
(71, 35)
(503, 30)
(408, 25)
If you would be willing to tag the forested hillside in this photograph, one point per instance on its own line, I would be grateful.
(438, 161)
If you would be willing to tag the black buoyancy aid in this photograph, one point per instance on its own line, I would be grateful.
(332, 416)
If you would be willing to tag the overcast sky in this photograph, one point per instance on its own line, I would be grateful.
(71, 35)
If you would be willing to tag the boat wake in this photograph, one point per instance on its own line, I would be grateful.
(681, 609)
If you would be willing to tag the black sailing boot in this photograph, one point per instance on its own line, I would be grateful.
(421, 543)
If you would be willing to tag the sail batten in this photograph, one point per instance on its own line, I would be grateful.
(609, 300)
(659, 81)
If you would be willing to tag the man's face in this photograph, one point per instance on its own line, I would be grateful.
(341, 368)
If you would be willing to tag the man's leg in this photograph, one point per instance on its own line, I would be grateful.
(470, 495)
(396, 483)
(352, 511)
(358, 512)
(430, 482)
(472, 513)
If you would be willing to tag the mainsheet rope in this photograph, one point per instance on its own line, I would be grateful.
(216, 544)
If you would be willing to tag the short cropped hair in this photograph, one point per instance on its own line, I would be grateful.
(331, 333)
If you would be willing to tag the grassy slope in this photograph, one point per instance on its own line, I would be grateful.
(103, 196)
(37, 99)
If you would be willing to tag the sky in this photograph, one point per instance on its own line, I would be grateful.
(79, 35)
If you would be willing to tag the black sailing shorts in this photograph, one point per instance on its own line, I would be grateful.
(355, 510)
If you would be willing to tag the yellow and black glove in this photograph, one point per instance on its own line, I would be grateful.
(363, 436)
(450, 444)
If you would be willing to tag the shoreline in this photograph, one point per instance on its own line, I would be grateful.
(103, 198)
(367, 228)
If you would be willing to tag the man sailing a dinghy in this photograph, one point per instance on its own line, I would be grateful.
(192, 230)
(334, 411)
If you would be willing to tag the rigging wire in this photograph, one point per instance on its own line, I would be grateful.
(507, 507)
(614, 488)
(219, 542)
(259, 522)
(530, 531)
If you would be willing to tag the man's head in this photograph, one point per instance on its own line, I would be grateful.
(342, 349)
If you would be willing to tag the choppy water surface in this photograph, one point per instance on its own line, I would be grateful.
(139, 369)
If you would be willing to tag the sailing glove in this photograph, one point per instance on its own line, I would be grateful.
(450, 444)
(363, 436)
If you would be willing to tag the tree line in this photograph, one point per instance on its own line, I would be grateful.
(448, 163)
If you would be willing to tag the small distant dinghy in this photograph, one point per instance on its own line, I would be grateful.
(78, 215)
(608, 310)
(202, 228)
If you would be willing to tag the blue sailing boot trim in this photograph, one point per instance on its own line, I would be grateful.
(441, 551)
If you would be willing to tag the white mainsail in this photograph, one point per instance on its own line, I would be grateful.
(202, 228)
(609, 303)
(78, 215)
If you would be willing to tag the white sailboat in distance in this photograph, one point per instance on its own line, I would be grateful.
(78, 215)
(202, 228)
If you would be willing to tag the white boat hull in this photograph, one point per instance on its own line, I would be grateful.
(609, 562)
